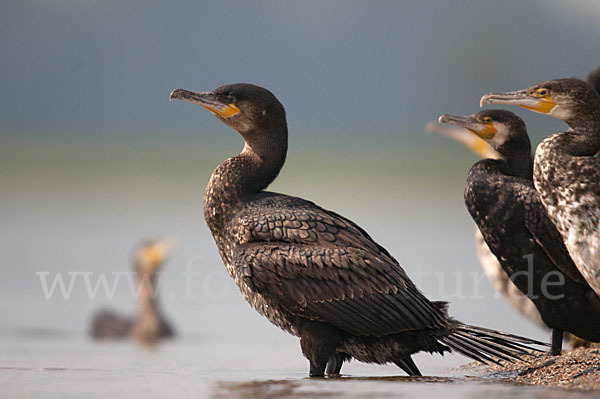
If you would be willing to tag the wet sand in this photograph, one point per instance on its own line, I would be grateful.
(578, 369)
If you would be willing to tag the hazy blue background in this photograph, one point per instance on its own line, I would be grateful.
(346, 70)
(93, 158)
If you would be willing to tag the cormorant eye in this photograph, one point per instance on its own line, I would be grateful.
(486, 119)
(542, 92)
(231, 99)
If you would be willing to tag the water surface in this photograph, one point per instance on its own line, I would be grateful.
(76, 219)
(62, 366)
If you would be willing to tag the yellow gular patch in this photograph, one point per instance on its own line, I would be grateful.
(225, 112)
(228, 111)
(544, 106)
(486, 132)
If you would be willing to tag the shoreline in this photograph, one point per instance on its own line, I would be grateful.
(578, 369)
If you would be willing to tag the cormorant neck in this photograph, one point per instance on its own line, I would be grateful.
(517, 156)
(583, 136)
(145, 283)
(244, 175)
(586, 119)
(264, 155)
(577, 143)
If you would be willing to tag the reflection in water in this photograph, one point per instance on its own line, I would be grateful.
(490, 386)
(345, 386)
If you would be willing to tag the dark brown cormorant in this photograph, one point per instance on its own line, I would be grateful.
(566, 169)
(312, 272)
(499, 279)
(509, 213)
(149, 325)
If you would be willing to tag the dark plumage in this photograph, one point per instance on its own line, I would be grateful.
(509, 213)
(312, 272)
(566, 169)
(149, 325)
(492, 268)
(593, 79)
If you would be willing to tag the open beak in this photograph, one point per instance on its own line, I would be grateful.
(482, 130)
(521, 98)
(207, 100)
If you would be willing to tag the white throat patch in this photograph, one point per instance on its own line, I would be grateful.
(560, 112)
(501, 135)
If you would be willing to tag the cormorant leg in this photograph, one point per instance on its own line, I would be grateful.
(317, 369)
(318, 342)
(408, 365)
(556, 342)
(334, 364)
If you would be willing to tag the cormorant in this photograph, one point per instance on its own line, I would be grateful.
(312, 272)
(499, 279)
(566, 169)
(509, 213)
(149, 325)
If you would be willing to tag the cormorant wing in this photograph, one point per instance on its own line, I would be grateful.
(321, 266)
(547, 236)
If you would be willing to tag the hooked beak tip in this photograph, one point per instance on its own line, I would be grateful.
(483, 100)
(174, 95)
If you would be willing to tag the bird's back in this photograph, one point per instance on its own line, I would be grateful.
(312, 263)
(107, 324)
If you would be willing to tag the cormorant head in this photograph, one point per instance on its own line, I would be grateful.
(503, 130)
(244, 107)
(566, 99)
(151, 255)
(593, 79)
(466, 138)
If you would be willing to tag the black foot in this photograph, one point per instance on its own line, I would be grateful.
(317, 371)
(556, 342)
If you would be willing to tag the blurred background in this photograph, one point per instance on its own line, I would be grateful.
(93, 158)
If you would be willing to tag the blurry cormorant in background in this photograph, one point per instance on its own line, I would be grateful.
(149, 325)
